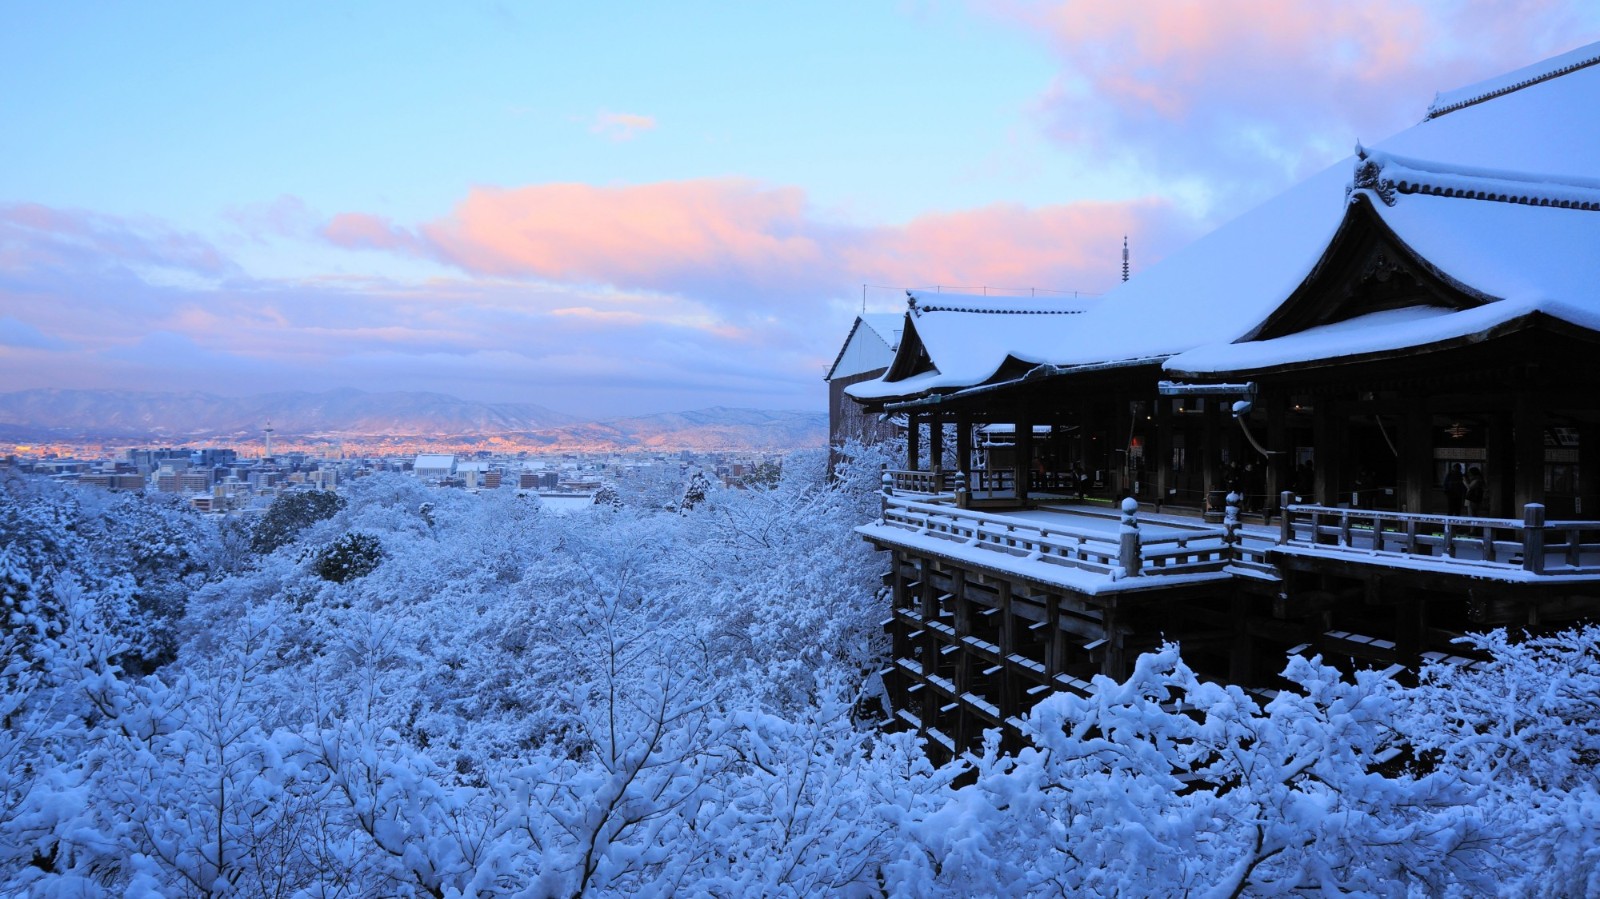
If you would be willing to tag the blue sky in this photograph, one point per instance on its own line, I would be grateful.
(620, 208)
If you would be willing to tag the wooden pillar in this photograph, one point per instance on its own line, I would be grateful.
(1007, 640)
(1114, 663)
(913, 440)
(1210, 449)
(928, 610)
(1122, 484)
(1528, 438)
(964, 443)
(1588, 470)
(1408, 626)
(1024, 444)
(1415, 468)
(1055, 640)
(1280, 475)
(935, 442)
(1500, 493)
(1327, 425)
(1158, 456)
(1241, 655)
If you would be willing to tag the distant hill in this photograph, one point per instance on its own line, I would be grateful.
(356, 416)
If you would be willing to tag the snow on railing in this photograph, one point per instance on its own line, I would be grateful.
(1530, 543)
(1124, 553)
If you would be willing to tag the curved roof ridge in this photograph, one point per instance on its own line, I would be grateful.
(921, 303)
(1386, 175)
(1483, 91)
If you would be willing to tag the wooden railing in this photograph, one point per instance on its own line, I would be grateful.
(1000, 480)
(981, 481)
(1128, 553)
(929, 482)
(1530, 544)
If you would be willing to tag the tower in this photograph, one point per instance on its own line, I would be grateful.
(268, 431)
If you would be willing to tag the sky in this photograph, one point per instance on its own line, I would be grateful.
(620, 208)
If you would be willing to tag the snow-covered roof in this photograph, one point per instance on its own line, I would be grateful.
(963, 339)
(1501, 196)
(873, 336)
(434, 460)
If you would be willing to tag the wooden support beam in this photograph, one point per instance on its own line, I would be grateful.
(1415, 465)
(1024, 453)
(1528, 437)
(1328, 427)
(1158, 451)
(964, 442)
(913, 440)
(1500, 492)
(1241, 654)
(1280, 467)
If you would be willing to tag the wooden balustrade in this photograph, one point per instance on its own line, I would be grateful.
(1190, 550)
(929, 482)
(1529, 543)
(999, 481)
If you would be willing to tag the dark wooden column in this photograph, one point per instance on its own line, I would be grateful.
(913, 440)
(1415, 468)
(1122, 485)
(1588, 470)
(1327, 425)
(1500, 466)
(964, 442)
(1024, 450)
(1210, 448)
(935, 441)
(1528, 434)
(1279, 473)
(1158, 456)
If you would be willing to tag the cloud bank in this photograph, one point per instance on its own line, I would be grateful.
(614, 299)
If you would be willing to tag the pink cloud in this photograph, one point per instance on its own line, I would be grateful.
(621, 126)
(360, 231)
(1061, 247)
(1248, 94)
(741, 252)
(673, 236)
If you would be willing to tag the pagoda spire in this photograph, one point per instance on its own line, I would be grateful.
(1124, 257)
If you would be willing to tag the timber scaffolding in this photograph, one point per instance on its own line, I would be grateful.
(994, 609)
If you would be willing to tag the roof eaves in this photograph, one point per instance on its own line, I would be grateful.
(1037, 373)
(1386, 176)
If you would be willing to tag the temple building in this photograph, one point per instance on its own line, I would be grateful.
(1359, 420)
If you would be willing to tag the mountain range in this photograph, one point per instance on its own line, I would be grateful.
(58, 415)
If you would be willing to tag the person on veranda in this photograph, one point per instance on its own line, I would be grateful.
(1455, 488)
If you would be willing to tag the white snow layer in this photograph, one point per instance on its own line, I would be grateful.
(1223, 286)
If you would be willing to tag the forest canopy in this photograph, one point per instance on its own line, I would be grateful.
(407, 691)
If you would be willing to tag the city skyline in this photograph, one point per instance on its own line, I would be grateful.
(644, 209)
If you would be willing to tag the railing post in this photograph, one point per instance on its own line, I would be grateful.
(1230, 518)
(963, 495)
(1285, 529)
(888, 483)
(1533, 538)
(1128, 551)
